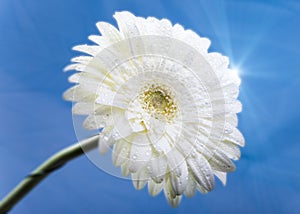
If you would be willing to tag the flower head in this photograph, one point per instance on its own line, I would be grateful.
(167, 108)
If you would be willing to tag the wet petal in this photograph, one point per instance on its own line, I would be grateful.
(140, 179)
(202, 171)
(154, 188)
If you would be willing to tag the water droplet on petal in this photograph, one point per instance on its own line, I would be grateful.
(103, 124)
(115, 135)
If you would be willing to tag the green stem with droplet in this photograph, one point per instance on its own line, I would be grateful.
(53, 163)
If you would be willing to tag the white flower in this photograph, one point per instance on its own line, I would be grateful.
(167, 107)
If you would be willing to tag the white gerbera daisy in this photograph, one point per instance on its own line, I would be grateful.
(167, 108)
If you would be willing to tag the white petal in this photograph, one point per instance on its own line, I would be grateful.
(235, 137)
(94, 122)
(85, 60)
(140, 153)
(230, 77)
(218, 159)
(221, 162)
(194, 40)
(171, 196)
(108, 97)
(81, 91)
(232, 120)
(140, 179)
(106, 141)
(126, 24)
(121, 152)
(201, 189)
(157, 168)
(202, 171)
(124, 168)
(233, 106)
(231, 150)
(190, 187)
(228, 127)
(218, 61)
(129, 28)
(185, 145)
(78, 93)
(86, 80)
(178, 171)
(121, 124)
(76, 67)
(230, 91)
(108, 31)
(161, 144)
(154, 188)
(88, 49)
(100, 73)
(97, 39)
(161, 27)
(222, 176)
(174, 202)
(141, 25)
(178, 31)
(179, 182)
(84, 108)
(100, 120)
(175, 158)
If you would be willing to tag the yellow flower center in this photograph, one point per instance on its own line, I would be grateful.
(158, 102)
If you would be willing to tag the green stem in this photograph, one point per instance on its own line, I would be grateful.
(50, 165)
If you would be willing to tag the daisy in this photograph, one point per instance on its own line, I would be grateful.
(165, 106)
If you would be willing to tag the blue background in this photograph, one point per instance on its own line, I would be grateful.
(260, 37)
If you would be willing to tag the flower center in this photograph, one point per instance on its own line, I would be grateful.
(158, 102)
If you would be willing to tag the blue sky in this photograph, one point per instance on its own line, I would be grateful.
(260, 37)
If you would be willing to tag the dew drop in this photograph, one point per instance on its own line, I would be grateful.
(115, 135)
(117, 61)
(134, 157)
(178, 174)
(103, 124)
(193, 154)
